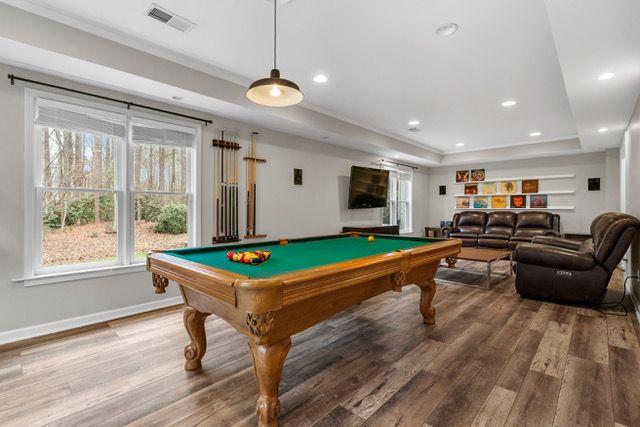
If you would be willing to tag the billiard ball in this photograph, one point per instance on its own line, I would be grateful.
(371, 238)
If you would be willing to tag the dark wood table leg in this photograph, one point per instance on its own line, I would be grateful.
(194, 323)
(427, 293)
(451, 261)
(267, 363)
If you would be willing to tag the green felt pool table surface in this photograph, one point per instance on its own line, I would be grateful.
(299, 254)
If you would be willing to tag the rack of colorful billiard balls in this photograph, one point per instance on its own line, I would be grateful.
(249, 257)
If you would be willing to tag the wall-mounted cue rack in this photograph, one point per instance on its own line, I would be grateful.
(252, 187)
(226, 185)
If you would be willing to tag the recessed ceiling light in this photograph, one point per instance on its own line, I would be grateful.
(509, 103)
(535, 134)
(460, 144)
(606, 76)
(414, 122)
(177, 98)
(320, 78)
(397, 156)
(447, 29)
(603, 130)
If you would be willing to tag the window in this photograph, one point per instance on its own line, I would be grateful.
(107, 185)
(398, 209)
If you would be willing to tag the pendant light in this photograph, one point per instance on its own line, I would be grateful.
(274, 91)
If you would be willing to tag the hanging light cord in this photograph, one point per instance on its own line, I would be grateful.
(275, 30)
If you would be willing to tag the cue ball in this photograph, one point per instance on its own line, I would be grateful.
(371, 238)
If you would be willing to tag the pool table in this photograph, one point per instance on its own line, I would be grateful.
(304, 282)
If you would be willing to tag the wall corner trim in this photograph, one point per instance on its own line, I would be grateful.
(20, 334)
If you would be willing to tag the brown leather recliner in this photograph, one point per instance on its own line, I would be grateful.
(565, 270)
(467, 226)
(534, 223)
(498, 230)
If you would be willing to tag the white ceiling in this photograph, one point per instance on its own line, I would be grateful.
(386, 66)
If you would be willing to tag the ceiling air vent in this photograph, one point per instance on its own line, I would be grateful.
(171, 19)
(414, 129)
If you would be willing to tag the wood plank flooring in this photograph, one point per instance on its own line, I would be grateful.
(492, 359)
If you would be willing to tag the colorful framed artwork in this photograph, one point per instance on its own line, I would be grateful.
(462, 202)
(443, 190)
(480, 202)
(471, 189)
(462, 176)
(518, 202)
(489, 188)
(297, 176)
(509, 187)
(538, 201)
(498, 202)
(477, 174)
(529, 185)
(593, 184)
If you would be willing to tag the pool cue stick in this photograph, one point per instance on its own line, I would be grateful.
(235, 193)
(255, 187)
(246, 173)
(235, 179)
(224, 192)
(217, 185)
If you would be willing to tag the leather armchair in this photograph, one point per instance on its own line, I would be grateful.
(467, 226)
(578, 272)
(534, 223)
(498, 230)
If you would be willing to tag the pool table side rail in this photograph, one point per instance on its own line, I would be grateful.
(303, 283)
(265, 295)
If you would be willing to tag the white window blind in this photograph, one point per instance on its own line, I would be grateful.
(143, 134)
(66, 117)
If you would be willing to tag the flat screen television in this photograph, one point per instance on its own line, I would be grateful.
(368, 188)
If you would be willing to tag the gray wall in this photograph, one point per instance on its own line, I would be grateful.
(319, 206)
(588, 204)
(630, 156)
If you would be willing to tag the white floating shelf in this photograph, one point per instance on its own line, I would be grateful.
(541, 177)
(550, 208)
(518, 194)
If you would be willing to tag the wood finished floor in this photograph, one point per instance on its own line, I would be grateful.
(492, 359)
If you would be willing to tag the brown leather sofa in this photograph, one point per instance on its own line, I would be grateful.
(578, 272)
(501, 229)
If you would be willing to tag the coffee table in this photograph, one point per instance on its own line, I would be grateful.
(485, 255)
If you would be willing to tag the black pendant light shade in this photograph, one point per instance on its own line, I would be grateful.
(274, 91)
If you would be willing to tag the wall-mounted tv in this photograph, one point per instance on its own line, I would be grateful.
(368, 188)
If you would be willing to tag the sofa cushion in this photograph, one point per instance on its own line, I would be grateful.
(498, 229)
(553, 257)
(535, 219)
(530, 233)
(501, 219)
(494, 236)
(470, 219)
(493, 243)
(464, 235)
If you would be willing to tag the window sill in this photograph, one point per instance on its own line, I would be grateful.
(69, 276)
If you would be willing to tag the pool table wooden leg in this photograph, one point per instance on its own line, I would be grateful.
(194, 323)
(427, 293)
(267, 363)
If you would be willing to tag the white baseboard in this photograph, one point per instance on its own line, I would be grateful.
(89, 319)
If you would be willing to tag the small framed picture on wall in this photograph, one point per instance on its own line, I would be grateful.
(297, 176)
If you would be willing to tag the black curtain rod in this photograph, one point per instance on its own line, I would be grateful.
(128, 104)
(397, 164)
